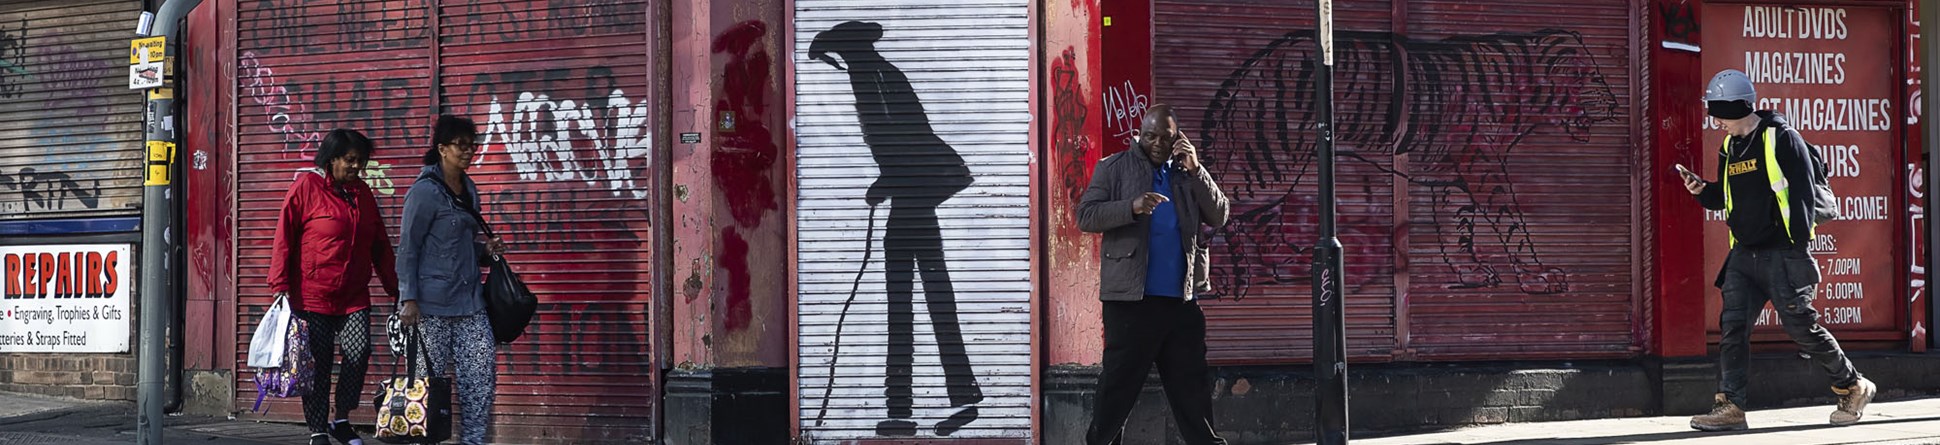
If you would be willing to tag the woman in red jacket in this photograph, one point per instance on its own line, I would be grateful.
(329, 240)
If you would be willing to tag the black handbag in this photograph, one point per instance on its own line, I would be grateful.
(508, 303)
(414, 408)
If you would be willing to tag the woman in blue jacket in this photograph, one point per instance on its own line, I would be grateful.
(439, 255)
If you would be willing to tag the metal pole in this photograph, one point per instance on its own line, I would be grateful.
(1930, 48)
(158, 241)
(157, 294)
(1330, 333)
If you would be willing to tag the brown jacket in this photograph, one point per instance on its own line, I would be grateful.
(1106, 207)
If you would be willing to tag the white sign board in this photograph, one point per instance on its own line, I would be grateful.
(145, 57)
(65, 298)
(145, 76)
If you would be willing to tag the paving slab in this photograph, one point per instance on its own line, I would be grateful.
(1912, 422)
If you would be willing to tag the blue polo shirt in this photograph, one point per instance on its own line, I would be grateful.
(1165, 276)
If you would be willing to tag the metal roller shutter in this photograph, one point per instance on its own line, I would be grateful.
(1523, 201)
(1470, 141)
(1241, 94)
(931, 105)
(70, 127)
(300, 72)
(560, 93)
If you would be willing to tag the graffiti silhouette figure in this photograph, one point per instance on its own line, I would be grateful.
(918, 173)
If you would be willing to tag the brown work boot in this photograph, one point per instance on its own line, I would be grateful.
(1724, 416)
(1852, 402)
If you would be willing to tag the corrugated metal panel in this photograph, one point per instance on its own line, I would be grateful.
(1522, 180)
(1468, 143)
(70, 129)
(303, 69)
(560, 91)
(1242, 91)
(924, 90)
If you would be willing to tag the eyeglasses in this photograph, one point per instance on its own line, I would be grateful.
(466, 147)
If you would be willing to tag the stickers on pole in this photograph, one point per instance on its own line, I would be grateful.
(160, 155)
(1327, 32)
(145, 57)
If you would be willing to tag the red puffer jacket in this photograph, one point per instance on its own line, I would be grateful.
(326, 247)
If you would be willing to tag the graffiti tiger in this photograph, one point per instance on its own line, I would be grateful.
(1456, 107)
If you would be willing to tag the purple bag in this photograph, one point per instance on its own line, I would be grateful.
(299, 369)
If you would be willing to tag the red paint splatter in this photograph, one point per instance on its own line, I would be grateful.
(1068, 113)
(734, 266)
(747, 152)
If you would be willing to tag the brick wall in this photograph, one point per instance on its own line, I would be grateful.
(81, 376)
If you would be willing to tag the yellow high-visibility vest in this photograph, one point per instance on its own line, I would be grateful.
(1774, 175)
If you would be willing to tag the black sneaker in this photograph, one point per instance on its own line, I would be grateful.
(342, 431)
(319, 439)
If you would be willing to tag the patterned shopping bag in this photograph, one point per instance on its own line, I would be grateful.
(298, 371)
(415, 407)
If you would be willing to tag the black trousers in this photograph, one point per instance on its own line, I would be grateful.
(327, 334)
(1787, 277)
(1168, 332)
(913, 246)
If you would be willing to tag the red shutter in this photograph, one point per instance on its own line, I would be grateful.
(300, 72)
(1240, 94)
(560, 93)
(1485, 148)
(1535, 119)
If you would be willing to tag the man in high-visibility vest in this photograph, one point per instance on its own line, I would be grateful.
(1766, 193)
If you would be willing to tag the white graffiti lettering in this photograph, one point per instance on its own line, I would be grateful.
(1916, 219)
(543, 138)
(1123, 109)
(286, 117)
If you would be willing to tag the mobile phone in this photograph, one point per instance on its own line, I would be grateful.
(1686, 173)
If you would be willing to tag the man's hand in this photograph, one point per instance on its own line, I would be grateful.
(1145, 203)
(1694, 185)
(1187, 154)
(407, 313)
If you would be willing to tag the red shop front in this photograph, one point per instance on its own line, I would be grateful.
(1838, 75)
(563, 95)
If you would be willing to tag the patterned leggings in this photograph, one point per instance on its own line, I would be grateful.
(327, 333)
(467, 343)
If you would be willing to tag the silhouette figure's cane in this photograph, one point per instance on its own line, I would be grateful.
(868, 247)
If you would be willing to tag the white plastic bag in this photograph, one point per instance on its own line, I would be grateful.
(266, 347)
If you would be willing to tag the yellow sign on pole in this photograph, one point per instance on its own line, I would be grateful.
(145, 67)
(160, 155)
(146, 50)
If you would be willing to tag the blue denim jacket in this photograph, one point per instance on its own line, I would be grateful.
(438, 250)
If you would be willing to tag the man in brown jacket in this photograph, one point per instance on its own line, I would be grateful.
(1150, 202)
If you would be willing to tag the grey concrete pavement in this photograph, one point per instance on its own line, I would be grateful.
(1914, 422)
(31, 419)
